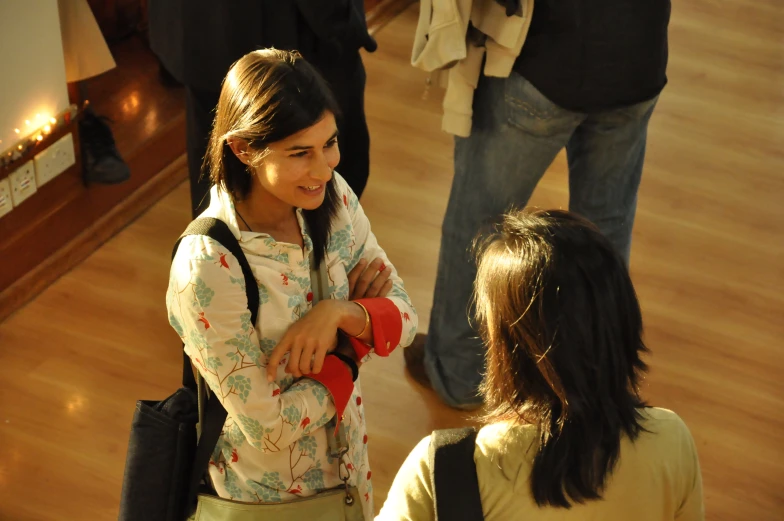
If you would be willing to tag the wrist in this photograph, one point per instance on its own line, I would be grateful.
(353, 318)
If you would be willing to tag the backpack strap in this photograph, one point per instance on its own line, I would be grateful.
(453, 474)
(219, 231)
(214, 414)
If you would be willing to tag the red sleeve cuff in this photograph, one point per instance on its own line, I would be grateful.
(387, 327)
(336, 377)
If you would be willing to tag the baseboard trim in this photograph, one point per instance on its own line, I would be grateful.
(89, 240)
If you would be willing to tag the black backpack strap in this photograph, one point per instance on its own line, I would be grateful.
(453, 474)
(219, 231)
(214, 412)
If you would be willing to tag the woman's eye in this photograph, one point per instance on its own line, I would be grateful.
(331, 144)
(300, 154)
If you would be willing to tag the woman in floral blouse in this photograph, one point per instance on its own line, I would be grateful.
(271, 157)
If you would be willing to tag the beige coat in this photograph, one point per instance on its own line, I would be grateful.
(443, 46)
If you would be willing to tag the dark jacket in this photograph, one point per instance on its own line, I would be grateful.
(198, 40)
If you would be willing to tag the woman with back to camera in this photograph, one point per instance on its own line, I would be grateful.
(568, 436)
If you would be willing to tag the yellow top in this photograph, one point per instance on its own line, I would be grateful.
(657, 478)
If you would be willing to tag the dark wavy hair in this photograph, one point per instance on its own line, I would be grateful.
(563, 328)
(269, 95)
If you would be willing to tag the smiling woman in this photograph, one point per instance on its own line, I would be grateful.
(285, 380)
(275, 136)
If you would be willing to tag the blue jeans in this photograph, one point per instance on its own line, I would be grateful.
(517, 132)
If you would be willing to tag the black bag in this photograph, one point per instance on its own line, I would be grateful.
(453, 474)
(164, 465)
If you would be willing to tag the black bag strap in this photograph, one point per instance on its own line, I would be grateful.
(453, 474)
(219, 231)
(214, 413)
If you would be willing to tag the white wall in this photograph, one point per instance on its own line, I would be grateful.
(32, 67)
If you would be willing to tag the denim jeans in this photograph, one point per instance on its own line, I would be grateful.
(517, 132)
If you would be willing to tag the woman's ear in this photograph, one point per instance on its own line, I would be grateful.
(240, 148)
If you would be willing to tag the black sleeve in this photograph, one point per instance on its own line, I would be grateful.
(340, 22)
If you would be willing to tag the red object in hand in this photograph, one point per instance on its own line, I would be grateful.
(382, 267)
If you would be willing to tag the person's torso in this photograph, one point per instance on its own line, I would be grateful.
(199, 40)
(589, 56)
(284, 473)
(644, 486)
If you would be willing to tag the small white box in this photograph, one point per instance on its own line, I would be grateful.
(6, 203)
(22, 183)
(54, 159)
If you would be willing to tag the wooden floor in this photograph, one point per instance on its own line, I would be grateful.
(707, 261)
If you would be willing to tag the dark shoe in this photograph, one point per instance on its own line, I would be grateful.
(102, 161)
(415, 360)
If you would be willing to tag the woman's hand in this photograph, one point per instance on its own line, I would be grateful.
(309, 339)
(369, 281)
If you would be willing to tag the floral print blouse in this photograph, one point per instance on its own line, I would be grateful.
(274, 445)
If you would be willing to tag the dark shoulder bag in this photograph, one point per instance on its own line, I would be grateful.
(165, 465)
(453, 474)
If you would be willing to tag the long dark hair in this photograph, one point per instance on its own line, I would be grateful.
(269, 95)
(563, 330)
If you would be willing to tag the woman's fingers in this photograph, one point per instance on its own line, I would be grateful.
(375, 288)
(386, 288)
(354, 274)
(294, 360)
(306, 359)
(367, 277)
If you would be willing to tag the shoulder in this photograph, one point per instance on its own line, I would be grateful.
(201, 247)
(667, 435)
(200, 254)
(664, 422)
(418, 461)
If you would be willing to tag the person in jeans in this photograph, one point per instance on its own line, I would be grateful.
(567, 435)
(587, 78)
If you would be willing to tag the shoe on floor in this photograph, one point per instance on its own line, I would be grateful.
(102, 161)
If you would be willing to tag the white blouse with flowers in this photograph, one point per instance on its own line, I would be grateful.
(273, 447)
